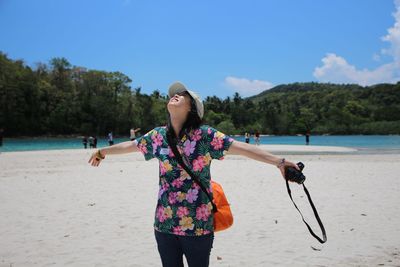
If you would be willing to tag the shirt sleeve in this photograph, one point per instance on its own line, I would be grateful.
(219, 143)
(145, 144)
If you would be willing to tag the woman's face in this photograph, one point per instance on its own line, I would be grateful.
(180, 102)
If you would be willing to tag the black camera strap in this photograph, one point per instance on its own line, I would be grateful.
(323, 240)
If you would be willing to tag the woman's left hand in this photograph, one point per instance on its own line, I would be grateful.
(96, 158)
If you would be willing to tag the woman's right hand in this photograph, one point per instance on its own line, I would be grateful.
(283, 164)
(96, 158)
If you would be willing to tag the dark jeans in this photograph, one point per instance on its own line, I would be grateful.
(195, 248)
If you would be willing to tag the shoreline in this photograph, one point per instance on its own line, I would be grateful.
(233, 135)
(385, 144)
(306, 149)
(277, 149)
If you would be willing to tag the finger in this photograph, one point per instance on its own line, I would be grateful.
(92, 158)
(291, 164)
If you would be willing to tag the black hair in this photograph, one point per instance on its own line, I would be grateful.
(193, 120)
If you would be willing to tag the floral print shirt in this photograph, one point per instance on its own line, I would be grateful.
(182, 207)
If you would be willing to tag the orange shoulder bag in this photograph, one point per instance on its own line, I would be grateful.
(223, 217)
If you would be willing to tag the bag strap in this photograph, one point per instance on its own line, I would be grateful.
(172, 144)
(324, 238)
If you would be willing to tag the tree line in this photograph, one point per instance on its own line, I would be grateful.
(61, 99)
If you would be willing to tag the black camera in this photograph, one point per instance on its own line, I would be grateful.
(294, 175)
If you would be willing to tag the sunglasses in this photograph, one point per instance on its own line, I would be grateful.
(184, 93)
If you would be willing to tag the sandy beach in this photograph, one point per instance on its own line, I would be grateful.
(56, 210)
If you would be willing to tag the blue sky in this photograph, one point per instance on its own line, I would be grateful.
(215, 47)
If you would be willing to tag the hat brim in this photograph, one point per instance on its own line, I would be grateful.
(178, 87)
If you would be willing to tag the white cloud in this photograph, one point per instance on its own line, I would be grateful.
(247, 87)
(337, 70)
(376, 57)
(393, 36)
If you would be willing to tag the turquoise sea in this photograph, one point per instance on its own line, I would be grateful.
(388, 143)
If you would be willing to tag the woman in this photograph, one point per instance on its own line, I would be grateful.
(184, 220)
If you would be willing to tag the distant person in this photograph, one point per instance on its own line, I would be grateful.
(307, 138)
(257, 138)
(133, 133)
(1, 136)
(94, 142)
(91, 142)
(247, 138)
(84, 142)
(110, 139)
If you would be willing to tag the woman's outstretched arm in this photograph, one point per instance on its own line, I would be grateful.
(121, 148)
(253, 152)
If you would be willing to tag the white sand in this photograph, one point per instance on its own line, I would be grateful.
(306, 149)
(56, 210)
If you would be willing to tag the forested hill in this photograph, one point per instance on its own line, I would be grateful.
(326, 108)
(61, 99)
(307, 87)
